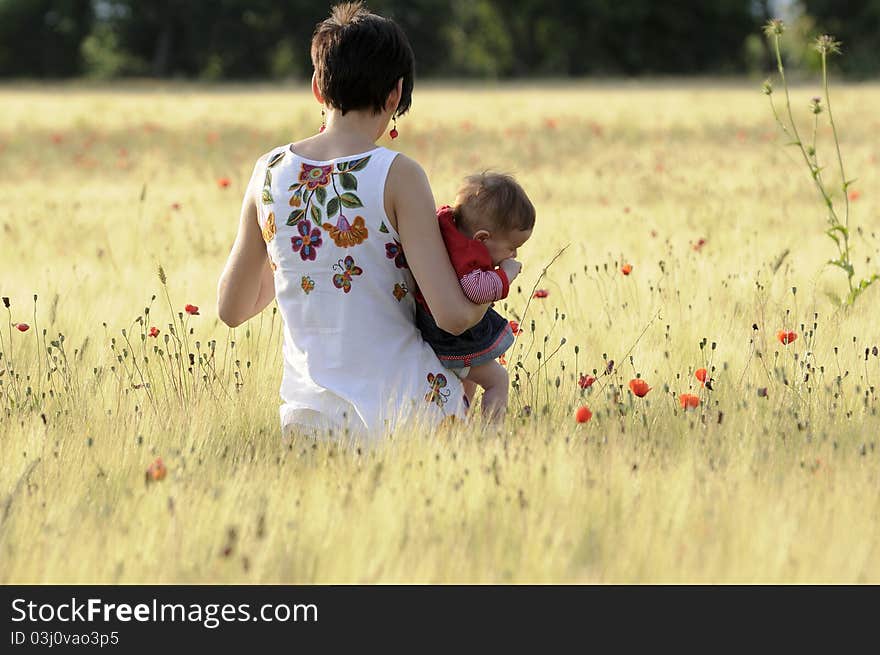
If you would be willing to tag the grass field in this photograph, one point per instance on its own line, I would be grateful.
(101, 186)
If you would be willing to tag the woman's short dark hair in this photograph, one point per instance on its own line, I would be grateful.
(358, 58)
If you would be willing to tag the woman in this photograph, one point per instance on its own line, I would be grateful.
(335, 214)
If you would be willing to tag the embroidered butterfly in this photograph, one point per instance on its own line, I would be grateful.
(400, 291)
(437, 394)
(342, 280)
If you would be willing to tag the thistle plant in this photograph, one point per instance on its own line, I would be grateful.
(838, 230)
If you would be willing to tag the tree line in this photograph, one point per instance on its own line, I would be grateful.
(266, 39)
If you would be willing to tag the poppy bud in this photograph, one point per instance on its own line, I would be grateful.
(22, 327)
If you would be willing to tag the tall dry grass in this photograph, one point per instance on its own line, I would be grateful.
(101, 186)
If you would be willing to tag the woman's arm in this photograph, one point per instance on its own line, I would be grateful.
(246, 285)
(409, 199)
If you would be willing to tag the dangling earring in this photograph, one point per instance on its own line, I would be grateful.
(393, 132)
(323, 121)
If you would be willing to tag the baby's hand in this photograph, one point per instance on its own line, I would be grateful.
(511, 268)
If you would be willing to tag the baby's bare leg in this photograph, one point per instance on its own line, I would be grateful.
(470, 389)
(492, 376)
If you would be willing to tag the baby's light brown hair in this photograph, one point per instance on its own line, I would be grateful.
(493, 201)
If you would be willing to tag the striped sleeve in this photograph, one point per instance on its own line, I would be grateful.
(485, 286)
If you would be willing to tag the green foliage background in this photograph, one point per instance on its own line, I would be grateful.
(247, 39)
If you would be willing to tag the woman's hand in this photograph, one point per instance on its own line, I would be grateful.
(247, 284)
(409, 200)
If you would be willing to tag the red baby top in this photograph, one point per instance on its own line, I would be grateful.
(480, 280)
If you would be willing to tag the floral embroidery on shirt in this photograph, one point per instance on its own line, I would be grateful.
(307, 284)
(322, 192)
(342, 280)
(383, 228)
(272, 265)
(400, 291)
(307, 241)
(395, 251)
(269, 229)
(437, 393)
(315, 176)
(267, 182)
(345, 234)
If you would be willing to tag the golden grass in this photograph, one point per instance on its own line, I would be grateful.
(743, 489)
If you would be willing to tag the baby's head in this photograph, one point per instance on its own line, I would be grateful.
(494, 209)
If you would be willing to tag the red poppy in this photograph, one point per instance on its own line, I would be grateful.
(154, 331)
(583, 414)
(550, 123)
(639, 387)
(223, 182)
(626, 269)
(175, 206)
(786, 338)
(514, 326)
(541, 293)
(192, 309)
(700, 374)
(688, 401)
(57, 138)
(855, 195)
(698, 246)
(156, 471)
(586, 381)
(22, 327)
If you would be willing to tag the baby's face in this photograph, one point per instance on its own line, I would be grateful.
(503, 245)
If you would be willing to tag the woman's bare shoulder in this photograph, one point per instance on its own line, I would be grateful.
(405, 170)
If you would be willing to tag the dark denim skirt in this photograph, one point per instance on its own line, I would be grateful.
(485, 341)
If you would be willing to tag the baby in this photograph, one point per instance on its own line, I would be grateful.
(491, 219)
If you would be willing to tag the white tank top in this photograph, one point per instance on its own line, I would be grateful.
(354, 361)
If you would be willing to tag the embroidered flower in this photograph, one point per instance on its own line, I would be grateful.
(269, 229)
(348, 269)
(307, 284)
(395, 251)
(315, 176)
(307, 241)
(272, 265)
(437, 394)
(345, 234)
(400, 291)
